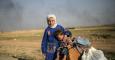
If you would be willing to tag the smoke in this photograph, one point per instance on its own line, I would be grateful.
(10, 15)
(31, 14)
(93, 12)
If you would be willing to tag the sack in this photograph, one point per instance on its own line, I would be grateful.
(93, 54)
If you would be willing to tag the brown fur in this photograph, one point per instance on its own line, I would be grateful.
(73, 54)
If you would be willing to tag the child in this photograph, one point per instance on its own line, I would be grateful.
(65, 51)
(49, 43)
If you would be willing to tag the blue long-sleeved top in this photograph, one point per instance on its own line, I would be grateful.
(50, 43)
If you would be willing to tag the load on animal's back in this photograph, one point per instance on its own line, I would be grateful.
(88, 52)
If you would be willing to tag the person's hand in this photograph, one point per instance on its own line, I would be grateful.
(44, 55)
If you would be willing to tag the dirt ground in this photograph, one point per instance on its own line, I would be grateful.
(18, 49)
(26, 45)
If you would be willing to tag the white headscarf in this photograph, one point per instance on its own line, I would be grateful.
(53, 16)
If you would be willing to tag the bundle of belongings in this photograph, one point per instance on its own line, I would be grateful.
(87, 51)
(76, 48)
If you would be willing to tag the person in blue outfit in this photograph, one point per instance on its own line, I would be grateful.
(49, 43)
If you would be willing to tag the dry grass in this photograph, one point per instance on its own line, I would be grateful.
(22, 45)
(26, 44)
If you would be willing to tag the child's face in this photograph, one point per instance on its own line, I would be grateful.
(51, 22)
(60, 37)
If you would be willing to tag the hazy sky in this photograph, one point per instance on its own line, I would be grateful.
(31, 14)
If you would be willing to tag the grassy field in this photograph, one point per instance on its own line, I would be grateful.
(21, 45)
